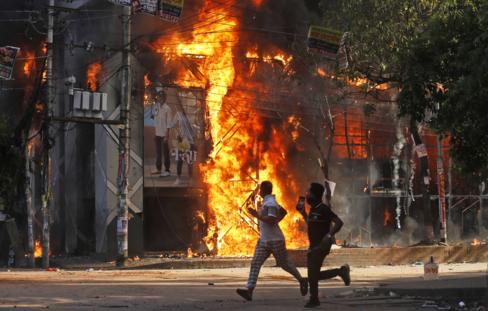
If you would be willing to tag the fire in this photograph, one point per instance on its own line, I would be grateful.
(37, 249)
(29, 64)
(321, 72)
(147, 83)
(257, 2)
(92, 75)
(295, 124)
(476, 242)
(241, 158)
(30, 146)
(387, 217)
(252, 54)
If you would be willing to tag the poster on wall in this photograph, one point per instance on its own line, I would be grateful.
(174, 136)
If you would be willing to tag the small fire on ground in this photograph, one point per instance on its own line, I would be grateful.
(37, 249)
(477, 242)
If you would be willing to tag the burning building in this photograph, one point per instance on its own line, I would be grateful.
(258, 106)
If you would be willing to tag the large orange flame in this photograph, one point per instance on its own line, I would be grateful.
(241, 158)
(29, 64)
(92, 76)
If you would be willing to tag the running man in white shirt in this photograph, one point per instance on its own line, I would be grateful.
(271, 241)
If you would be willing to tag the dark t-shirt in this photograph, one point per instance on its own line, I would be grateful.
(318, 221)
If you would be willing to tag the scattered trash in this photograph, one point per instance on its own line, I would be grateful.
(52, 269)
(444, 306)
(90, 270)
(429, 304)
(346, 293)
(210, 283)
(461, 305)
(392, 294)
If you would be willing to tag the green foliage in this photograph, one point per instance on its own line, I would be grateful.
(435, 51)
(379, 31)
(445, 74)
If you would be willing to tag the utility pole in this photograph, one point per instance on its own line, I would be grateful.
(46, 169)
(124, 143)
(441, 192)
(30, 208)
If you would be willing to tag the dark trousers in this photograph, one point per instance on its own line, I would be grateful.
(162, 147)
(314, 263)
(179, 168)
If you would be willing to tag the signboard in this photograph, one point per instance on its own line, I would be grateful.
(146, 6)
(324, 41)
(421, 150)
(8, 54)
(169, 10)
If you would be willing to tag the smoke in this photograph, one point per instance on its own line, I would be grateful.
(397, 152)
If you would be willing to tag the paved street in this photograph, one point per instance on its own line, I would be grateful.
(215, 289)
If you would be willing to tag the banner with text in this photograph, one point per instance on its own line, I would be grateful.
(168, 10)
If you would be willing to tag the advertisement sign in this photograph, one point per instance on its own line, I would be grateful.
(324, 41)
(168, 10)
(421, 150)
(146, 6)
(8, 54)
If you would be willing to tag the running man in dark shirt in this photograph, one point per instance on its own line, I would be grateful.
(322, 224)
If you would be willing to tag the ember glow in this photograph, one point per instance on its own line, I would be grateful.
(92, 76)
(387, 218)
(37, 249)
(257, 2)
(30, 63)
(247, 148)
(475, 242)
(147, 84)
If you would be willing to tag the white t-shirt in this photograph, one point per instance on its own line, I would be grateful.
(162, 119)
(268, 232)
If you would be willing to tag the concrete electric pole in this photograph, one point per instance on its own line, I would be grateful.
(124, 143)
(46, 189)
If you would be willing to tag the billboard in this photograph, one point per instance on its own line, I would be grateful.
(324, 41)
(168, 10)
(8, 54)
(174, 137)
